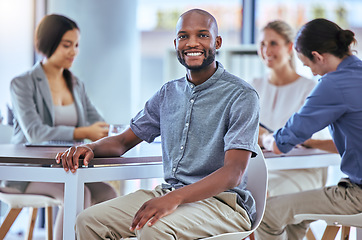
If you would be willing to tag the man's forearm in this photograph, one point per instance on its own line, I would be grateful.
(115, 146)
(225, 178)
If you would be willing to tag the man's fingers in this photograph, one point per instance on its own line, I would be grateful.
(70, 160)
(58, 157)
(141, 218)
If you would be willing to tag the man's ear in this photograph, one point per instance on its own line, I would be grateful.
(174, 42)
(218, 42)
(317, 56)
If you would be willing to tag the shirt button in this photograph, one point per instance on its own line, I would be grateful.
(182, 147)
(192, 101)
(191, 86)
(187, 124)
(173, 169)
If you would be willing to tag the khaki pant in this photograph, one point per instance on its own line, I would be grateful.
(295, 180)
(212, 216)
(278, 222)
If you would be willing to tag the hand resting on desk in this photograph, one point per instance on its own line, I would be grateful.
(113, 146)
(70, 157)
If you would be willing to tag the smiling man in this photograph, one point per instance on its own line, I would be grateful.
(208, 121)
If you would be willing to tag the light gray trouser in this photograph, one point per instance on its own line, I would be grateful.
(278, 223)
(112, 219)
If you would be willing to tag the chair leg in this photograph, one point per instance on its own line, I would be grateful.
(330, 232)
(33, 214)
(250, 237)
(49, 222)
(9, 220)
(345, 233)
(310, 235)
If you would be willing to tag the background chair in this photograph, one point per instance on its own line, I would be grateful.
(257, 185)
(334, 223)
(16, 202)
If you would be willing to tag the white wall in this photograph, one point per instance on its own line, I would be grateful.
(16, 45)
(108, 62)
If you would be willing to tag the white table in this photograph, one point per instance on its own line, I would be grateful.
(143, 161)
(149, 166)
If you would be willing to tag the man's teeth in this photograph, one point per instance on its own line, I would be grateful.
(194, 54)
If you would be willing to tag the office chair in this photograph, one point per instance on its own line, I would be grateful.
(257, 185)
(334, 223)
(16, 202)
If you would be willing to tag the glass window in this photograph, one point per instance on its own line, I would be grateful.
(346, 13)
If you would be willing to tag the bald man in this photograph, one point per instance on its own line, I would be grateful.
(208, 121)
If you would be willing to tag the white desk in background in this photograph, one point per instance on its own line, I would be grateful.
(144, 161)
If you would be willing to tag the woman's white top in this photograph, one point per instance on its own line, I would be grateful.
(65, 115)
(278, 103)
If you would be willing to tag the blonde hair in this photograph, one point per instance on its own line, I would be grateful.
(286, 31)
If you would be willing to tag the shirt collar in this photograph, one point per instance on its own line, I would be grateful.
(38, 72)
(213, 79)
(347, 61)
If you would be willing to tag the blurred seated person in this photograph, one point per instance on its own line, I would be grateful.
(336, 102)
(50, 103)
(282, 92)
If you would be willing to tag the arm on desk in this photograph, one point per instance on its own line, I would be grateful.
(113, 146)
(326, 145)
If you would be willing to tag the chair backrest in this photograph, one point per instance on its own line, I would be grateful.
(6, 131)
(257, 185)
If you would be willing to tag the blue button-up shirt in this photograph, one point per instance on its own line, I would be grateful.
(336, 102)
(198, 124)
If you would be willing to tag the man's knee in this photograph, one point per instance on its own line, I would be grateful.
(83, 219)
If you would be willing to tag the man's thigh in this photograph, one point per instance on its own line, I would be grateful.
(200, 219)
(113, 217)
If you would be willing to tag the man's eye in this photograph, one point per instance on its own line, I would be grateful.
(182, 37)
(204, 35)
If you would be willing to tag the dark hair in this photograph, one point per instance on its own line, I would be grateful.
(48, 35)
(324, 36)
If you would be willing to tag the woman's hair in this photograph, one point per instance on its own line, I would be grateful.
(324, 36)
(48, 35)
(286, 31)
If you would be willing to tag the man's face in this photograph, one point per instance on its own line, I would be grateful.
(315, 66)
(196, 41)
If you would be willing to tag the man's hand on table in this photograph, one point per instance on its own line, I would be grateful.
(70, 158)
